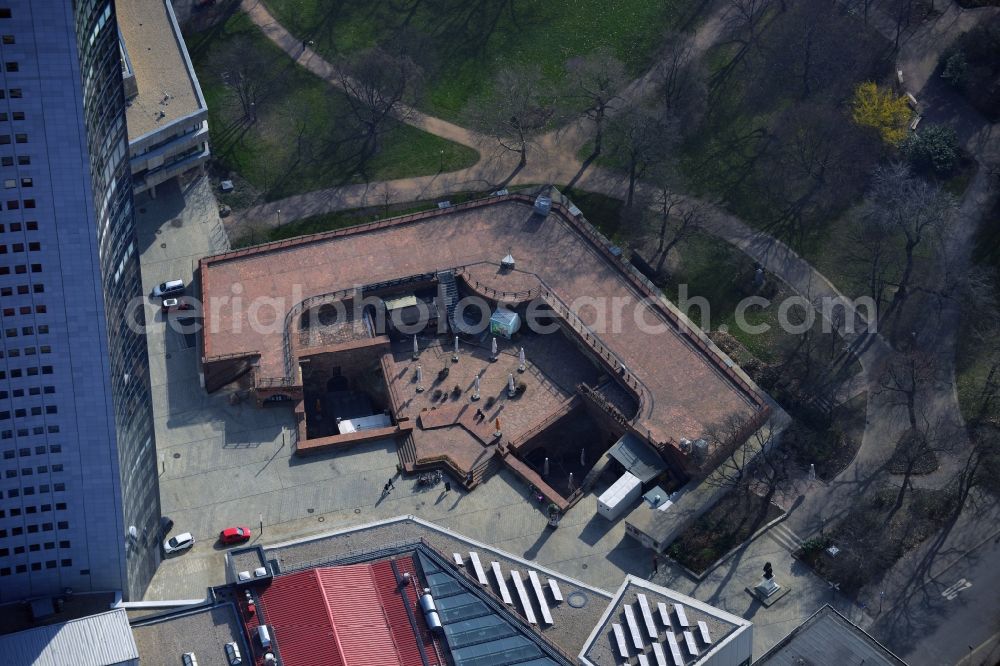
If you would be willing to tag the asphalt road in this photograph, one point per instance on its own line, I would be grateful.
(954, 617)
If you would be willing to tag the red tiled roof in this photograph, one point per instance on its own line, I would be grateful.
(344, 616)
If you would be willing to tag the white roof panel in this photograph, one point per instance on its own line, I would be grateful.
(104, 639)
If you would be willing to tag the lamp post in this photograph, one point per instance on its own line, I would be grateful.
(279, 218)
(261, 525)
(441, 161)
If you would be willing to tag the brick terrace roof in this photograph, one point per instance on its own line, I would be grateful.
(688, 388)
(334, 616)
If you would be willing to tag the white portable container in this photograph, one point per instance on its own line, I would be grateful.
(620, 496)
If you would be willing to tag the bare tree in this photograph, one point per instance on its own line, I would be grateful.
(379, 86)
(812, 162)
(471, 23)
(595, 81)
(901, 204)
(981, 466)
(816, 50)
(640, 138)
(514, 112)
(681, 81)
(917, 452)
(744, 25)
(905, 377)
(246, 70)
(740, 459)
(676, 218)
(902, 13)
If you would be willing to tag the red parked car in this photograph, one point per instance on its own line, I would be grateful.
(234, 535)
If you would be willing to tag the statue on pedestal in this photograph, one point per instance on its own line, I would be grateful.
(766, 587)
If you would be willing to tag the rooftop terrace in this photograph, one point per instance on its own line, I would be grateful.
(167, 89)
(684, 384)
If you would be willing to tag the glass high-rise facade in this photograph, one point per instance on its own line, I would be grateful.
(79, 498)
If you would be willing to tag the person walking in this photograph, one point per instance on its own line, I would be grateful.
(385, 490)
(390, 485)
(447, 486)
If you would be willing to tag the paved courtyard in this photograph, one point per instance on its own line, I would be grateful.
(226, 464)
(553, 368)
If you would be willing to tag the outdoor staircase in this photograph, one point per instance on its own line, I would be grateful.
(406, 449)
(485, 470)
(448, 291)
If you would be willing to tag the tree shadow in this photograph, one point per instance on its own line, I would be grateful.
(532, 551)
(583, 168)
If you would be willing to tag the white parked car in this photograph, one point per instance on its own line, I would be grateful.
(168, 288)
(178, 543)
(189, 659)
(233, 654)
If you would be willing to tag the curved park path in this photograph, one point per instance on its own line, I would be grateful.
(552, 159)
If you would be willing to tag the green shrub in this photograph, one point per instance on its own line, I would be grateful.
(933, 147)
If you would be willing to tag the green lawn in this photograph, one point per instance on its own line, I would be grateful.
(340, 220)
(461, 57)
(301, 140)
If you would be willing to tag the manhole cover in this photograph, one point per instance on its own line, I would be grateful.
(177, 222)
(159, 231)
(177, 455)
(321, 519)
(584, 565)
(310, 510)
(577, 599)
(357, 511)
(163, 245)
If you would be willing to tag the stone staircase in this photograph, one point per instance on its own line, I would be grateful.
(406, 449)
(485, 470)
(448, 291)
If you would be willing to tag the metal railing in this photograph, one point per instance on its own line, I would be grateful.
(490, 292)
(594, 342)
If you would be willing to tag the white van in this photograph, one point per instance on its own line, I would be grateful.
(168, 288)
(264, 634)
